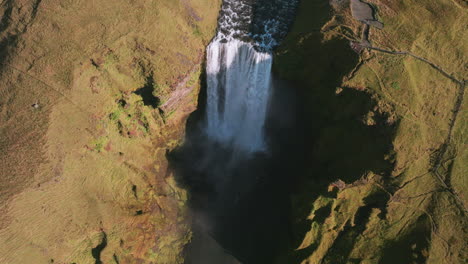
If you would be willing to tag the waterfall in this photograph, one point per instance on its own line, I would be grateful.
(239, 74)
(239, 87)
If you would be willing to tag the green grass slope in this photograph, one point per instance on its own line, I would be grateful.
(385, 142)
(93, 94)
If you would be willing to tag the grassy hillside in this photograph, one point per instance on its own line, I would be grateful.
(385, 143)
(92, 96)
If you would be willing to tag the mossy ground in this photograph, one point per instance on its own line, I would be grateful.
(379, 122)
(91, 159)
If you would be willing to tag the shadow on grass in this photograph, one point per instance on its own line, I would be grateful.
(335, 141)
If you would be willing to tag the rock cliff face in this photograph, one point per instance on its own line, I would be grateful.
(385, 132)
(92, 96)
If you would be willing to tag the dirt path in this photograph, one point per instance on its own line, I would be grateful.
(433, 65)
(438, 155)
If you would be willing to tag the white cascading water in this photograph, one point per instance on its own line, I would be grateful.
(239, 82)
(239, 87)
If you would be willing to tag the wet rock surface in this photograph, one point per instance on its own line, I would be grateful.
(261, 22)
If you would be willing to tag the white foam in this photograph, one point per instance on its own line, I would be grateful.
(239, 87)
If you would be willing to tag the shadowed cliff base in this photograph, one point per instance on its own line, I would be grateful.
(239, 199)
(315, 138)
